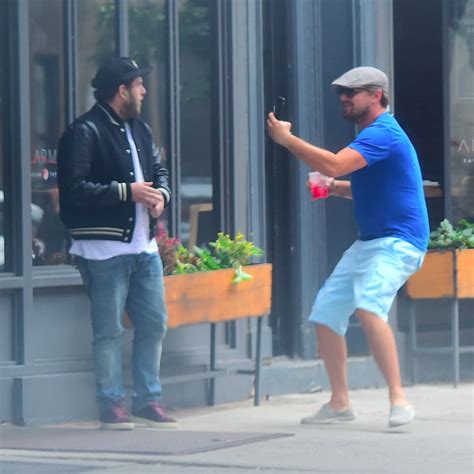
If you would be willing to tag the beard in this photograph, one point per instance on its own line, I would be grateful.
(132, 108)
(354, 115)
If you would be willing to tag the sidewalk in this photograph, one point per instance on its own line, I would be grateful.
(440, 440)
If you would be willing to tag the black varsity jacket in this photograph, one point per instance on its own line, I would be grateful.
(95, 170)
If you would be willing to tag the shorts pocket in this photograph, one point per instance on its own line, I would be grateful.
(410, 257)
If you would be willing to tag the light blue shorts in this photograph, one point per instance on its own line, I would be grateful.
(367, 277)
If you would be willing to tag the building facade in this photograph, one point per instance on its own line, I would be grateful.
(217, 67)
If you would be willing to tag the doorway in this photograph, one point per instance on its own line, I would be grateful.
(277, 169)
(419, 89)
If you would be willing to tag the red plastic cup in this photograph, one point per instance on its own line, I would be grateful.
(319, 185)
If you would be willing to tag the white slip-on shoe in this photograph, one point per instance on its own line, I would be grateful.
(326, 414)
(400, 415)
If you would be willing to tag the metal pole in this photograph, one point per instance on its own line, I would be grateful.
(455, 322)
(212, 366)
(121, 20)
(258, 361)
(412, 316)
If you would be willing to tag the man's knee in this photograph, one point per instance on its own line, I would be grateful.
(368, 318)
(323, 330)
(152, 327)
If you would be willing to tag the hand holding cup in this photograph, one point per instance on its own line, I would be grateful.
(319, 185)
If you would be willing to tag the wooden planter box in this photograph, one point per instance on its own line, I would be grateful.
(211, 297)
(436, 278)
(444, 274)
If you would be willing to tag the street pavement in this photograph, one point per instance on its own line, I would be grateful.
(440, 440)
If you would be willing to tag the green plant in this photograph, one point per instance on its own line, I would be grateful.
(229, 252)
(185, 261)
(225, 252)
(449, 236)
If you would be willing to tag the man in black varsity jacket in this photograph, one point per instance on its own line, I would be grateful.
(112, 189)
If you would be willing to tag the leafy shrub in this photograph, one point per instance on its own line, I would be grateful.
(225, 252)
(449, 236)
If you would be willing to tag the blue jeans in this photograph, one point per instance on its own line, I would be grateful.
(134, 283)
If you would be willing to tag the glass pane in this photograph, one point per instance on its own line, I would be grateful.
(96, 42)
(47, 90)
(461, 23)
(148, 47)
(196, 51)
(2, 192)
(3, 145)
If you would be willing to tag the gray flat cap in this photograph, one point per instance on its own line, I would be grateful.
(363, 77)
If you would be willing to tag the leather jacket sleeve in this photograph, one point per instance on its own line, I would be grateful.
(160, 173)
(82, 191)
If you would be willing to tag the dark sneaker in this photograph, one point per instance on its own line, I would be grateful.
(154, 415)
(116, 417)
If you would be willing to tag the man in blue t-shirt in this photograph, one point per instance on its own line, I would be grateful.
(390, 209)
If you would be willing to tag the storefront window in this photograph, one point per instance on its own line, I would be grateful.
(198, 160)
(461, 64)
(148, 47)
(95, 43)
(2, 206)
(3, 223)
(47, 91)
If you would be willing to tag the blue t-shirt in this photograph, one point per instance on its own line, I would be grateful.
(388, 193)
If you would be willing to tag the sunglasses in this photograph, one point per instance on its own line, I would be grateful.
(348, 92)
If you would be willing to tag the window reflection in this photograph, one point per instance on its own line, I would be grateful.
(461, 22)
(148, 47)
(3, 110)
(196, 52)
(2, 192)
(47, 122)
(96, 33)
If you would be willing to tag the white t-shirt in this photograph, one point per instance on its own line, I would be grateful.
(104, 249)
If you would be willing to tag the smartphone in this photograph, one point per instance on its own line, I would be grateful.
(279, 108)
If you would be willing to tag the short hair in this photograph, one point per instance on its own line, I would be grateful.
(106, 94)
(384, 101)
